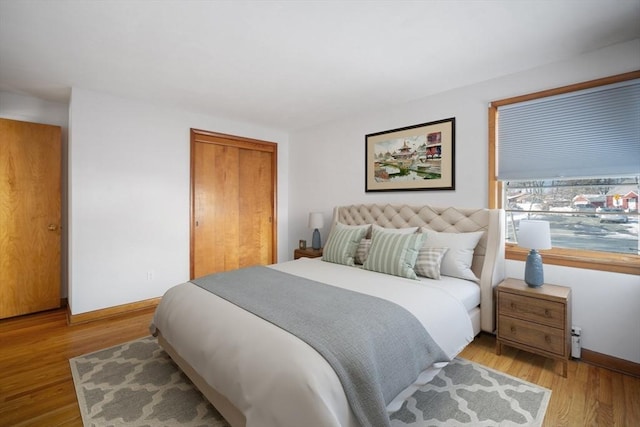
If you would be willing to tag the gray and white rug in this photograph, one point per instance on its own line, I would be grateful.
(137, 384)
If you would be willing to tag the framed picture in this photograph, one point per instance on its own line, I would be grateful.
(419, 157)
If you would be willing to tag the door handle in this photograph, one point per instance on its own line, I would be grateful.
(52, 227)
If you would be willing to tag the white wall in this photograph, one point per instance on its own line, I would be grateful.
(129, 196)
(30, 109)
(327, 165)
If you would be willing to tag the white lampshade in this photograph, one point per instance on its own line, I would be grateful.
(533, 234)
(316, 220)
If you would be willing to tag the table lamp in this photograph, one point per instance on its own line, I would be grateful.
(534, 235)
(316, 221)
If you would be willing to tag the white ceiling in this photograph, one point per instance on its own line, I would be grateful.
(292, 64)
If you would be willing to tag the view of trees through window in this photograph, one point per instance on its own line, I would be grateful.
(599, 214)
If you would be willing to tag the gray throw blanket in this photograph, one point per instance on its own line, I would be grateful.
(376, 347)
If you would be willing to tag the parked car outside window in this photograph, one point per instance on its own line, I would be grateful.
(612, 215)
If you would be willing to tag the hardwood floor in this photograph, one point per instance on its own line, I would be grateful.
(589, 396)
(36, 388)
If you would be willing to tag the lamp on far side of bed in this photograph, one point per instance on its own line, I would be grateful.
(316, 221)
(534, 235)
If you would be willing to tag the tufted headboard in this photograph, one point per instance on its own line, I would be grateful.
(488, 257)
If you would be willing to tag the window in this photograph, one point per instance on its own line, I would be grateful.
(571, 156)
(590, 214)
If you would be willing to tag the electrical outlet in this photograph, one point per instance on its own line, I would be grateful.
(150, 275)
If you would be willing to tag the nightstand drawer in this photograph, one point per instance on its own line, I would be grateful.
(535, 309)
(534, 335)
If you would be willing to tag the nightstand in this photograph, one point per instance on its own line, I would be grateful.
(537, 320)
(307, 253)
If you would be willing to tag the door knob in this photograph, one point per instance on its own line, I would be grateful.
(52, 227)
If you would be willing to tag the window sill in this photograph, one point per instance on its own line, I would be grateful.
(616, 263)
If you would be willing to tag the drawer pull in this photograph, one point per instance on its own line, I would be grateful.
(547, 312)
(513, 329)
(547, 338)
(513, 306)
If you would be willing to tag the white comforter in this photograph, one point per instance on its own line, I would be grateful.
(271, 376)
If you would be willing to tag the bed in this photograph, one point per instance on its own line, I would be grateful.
(257, 374)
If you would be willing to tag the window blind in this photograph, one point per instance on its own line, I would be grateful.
(589, 133)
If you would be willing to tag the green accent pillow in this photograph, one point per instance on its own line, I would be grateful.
(363, 248)
(394, 253)
(342, 243)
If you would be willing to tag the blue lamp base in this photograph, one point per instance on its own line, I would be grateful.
(533, 274)
(315, 243)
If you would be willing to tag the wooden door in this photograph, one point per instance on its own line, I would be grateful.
(29, 217)
(233, 194)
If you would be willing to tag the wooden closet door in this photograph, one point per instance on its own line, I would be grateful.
(29, 217)
(233, 202)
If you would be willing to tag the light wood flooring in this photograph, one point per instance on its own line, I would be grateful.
(36, 388)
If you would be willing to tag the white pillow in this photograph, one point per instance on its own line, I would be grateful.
(457, 260)
(428, 262)
(342, 243)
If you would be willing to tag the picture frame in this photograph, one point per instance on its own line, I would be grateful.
(418, 157)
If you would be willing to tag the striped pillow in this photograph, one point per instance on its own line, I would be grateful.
(365, 244)
(393, 253)
(363, 251)
(342, 243)
(428, 262)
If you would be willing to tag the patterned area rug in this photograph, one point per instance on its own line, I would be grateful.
(137, 384)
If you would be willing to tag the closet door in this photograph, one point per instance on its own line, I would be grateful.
(29, 217)
(233, 190)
